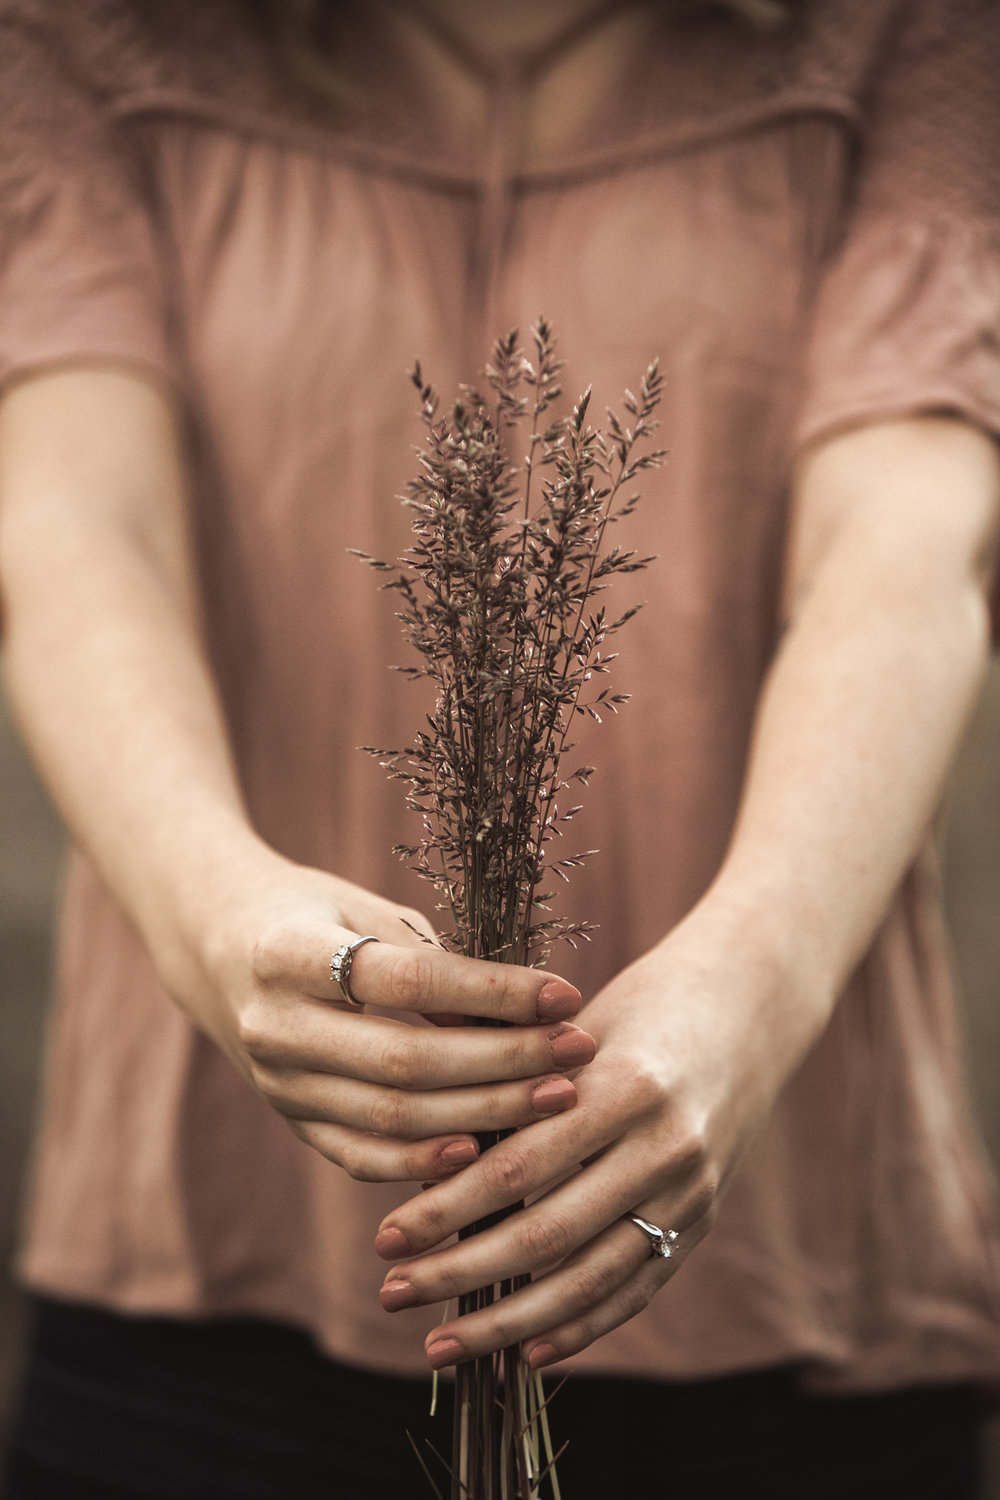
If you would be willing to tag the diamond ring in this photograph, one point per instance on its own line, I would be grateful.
(340, 968)
(661, 1241)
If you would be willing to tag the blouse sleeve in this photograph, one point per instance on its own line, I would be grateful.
(80, 279)
(908, 315)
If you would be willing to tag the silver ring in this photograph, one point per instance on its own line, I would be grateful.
(340, 968)
(661, 1241)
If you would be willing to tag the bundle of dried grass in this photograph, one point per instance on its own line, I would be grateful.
(499, 597)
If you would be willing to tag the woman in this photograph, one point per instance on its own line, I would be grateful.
(227, 234)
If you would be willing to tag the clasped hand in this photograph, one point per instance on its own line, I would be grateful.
(693, 1049)
(695, 1040)
(386, 1098)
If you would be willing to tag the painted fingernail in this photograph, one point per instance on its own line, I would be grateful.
(557, 1001)
(398, 1294)
(392, 1244)
(444, 1352)
(571, 1049)
(541, 1354)
(459, 1153)
(552, 1095)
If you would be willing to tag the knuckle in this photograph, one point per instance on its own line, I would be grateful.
(689, 1151)
(701, 1201)
(274, 952)
(505, 1323)
(264, 1081)
(390, 1113)
(516, 1060)
(593, 1284)
(579, 1335)
(445, 1285)
(410, 982)
(428, 1225)
(636, 1297)
(255, 1030)
(358, 1163)
(546, 1239)
(707, 1218)
(644, 1092)
(505, 1172)
(506, 995)
(404, 1060)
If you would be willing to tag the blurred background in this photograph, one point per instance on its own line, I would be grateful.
(30, 858)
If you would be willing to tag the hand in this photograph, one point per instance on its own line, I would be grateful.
(385, 1099)
(696, 1039)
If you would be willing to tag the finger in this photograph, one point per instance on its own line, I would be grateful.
(421, 978)
(510, 1171)
(532, 1240)
(382, 1050)
(634, 1293)
(578, 1332)
(369, 1158)
(401, 1115)
(574, 1291)
(597, 1290)
(571, 1215)
(431, 981)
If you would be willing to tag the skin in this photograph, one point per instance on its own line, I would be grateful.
(556, 103)
(892, 550)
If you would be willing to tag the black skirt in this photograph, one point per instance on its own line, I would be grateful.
(126, 1408)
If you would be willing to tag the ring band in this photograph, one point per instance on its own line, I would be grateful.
(340, 968)
(661, 1241)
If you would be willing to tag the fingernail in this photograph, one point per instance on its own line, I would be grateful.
(541, 1354)
(552, 1095)
(392, 1244)
(444, 1352)
(557, 1001)
(571, 1049)
(398, 1294)
(459, 1153)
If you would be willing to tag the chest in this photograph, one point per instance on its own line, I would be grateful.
(309, 282)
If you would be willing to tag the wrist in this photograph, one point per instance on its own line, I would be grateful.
(200, 918)
(762, 954)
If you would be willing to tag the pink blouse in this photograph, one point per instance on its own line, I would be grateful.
(802, 225)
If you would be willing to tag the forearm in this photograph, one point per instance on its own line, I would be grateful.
(869, 694)
(105, 668)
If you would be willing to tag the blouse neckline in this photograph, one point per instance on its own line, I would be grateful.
(259, 104)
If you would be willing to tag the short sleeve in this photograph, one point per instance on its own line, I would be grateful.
(80, 277)
(908, 314)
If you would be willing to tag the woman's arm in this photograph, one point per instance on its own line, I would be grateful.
(895, 531)
(106, 670)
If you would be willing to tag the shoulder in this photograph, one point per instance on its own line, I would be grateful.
(918, 79)
(214, 59)
(127, 49)
(718, 67)
(850, 47)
